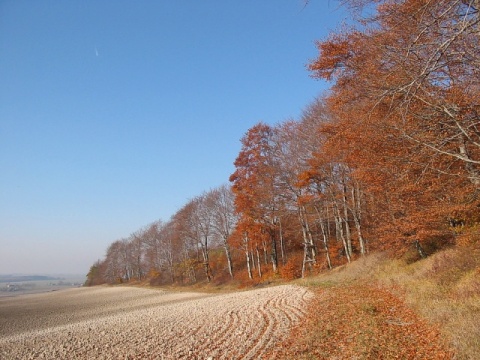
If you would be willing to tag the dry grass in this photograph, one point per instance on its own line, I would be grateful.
(443, 289)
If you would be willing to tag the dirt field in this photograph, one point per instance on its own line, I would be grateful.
(134, 323)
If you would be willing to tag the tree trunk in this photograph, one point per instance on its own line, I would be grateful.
(420, 250)
(265, 252)
(473, 172)
(341, 236)
(282, 243)
(259, 265)
(309, 250)
(274, 254)
(229, 258)
(325, 245)
(325, 235)
(192, 275)
(206, 262)
(252, 256)
(247, 254)
(357, 216)
(348, 235)
(249, 269)
(172, 272)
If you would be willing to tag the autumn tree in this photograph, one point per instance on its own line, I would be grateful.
(311, 179)
(161, 249)
(136, 246)
(254, 185)
(95, 275)
(115, 268)
(291, 152)
(153, 247)
(249, 237)
(405, 99)
(201, 217)
(187, 234)
(170, 248)
(224, 218)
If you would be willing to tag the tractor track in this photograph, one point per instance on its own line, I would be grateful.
(136, 323)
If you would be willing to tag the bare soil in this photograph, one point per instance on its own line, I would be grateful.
(139, 323)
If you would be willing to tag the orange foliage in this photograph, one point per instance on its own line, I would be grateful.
(293, 268)
(404, 123)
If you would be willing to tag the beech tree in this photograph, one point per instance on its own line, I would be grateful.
(202, 218)
(415, 63)
(224, 218)
(116, 268)
(161, 250)
(136, 246)
(405, 100)
(170, 248)
(95, 275)
(188, 234)
(313, 197)
(254, 185)
(249, 237)
(153, 247)
(291, 154)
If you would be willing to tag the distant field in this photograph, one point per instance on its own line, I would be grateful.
(130, 323)
(22, 285)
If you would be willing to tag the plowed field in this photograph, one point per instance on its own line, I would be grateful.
(135, 323)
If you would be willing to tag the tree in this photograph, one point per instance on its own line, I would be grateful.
(416, 64)
(254, 186)
(224, 218)
(136, 246)
(153, 247)
(115, 268)
(405, 102)
(95, 274)
(292, 159)
(202, 219)
(170, 248)
(186, 231)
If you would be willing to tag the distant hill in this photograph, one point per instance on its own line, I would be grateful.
(19, 278)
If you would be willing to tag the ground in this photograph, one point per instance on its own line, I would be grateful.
(135, 323)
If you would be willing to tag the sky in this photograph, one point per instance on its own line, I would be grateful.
(115, 113)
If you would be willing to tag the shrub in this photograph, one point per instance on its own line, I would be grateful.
(293, 268)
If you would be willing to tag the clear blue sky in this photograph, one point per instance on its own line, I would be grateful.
(114, 114)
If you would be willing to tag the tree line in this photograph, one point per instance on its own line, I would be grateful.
(388, 159)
